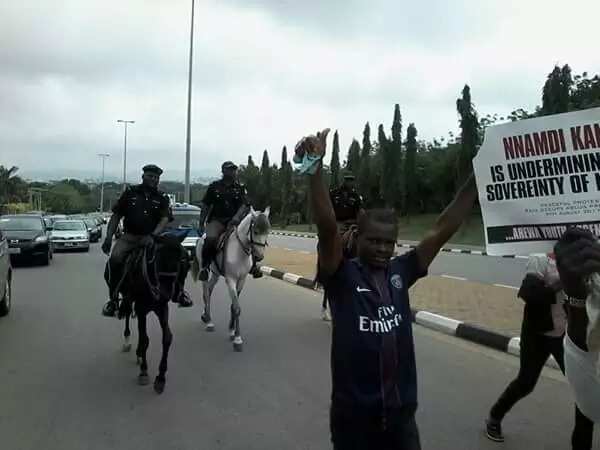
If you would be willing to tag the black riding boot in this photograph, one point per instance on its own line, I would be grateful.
(255, 270)
(112, 275)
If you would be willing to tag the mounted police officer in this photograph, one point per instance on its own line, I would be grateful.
(225, 204)
(145, 213)
(346, 203)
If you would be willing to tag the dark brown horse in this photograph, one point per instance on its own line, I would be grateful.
(151, 281)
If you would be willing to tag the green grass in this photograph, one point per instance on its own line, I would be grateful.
(413, 229)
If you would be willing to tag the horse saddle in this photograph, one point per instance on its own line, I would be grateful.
(223, 238)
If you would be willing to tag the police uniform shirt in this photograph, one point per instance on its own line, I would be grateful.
(346, 203)
(372, 354)
(142, 209)
(225, 200)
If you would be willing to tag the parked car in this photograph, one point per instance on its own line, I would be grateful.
(70, 235)
(94, 230)
(5, 276)
(185, 221)
(28, 237)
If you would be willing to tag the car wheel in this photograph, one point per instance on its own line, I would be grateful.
(5, 302)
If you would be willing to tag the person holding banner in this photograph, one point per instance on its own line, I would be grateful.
(542, 333)
(373, 367)
(578, 263)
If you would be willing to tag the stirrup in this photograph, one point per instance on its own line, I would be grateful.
(109, 309)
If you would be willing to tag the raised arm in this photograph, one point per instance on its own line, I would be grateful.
(447, 223)
(330, 243)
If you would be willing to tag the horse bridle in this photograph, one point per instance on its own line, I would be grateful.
(252, 242)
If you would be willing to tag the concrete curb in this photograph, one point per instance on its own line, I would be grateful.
(403, 244)
(469, 332)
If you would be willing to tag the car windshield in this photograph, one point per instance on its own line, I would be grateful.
(69, 225)
(20, 224)
(191, 221)
(90, 223)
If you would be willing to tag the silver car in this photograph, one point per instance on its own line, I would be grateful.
(70, 235)
(5, 276)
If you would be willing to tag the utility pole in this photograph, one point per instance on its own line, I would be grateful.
(188, 139)
(103, 156)
(125, 122)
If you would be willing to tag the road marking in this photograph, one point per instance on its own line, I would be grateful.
(506, 286)
(452, 277)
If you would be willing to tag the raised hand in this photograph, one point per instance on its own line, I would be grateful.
(312, 145)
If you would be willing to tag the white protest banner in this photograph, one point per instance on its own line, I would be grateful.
(537, 177)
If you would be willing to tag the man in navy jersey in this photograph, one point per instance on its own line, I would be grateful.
(374, 378)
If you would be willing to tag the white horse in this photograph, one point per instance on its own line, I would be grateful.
(233, 262)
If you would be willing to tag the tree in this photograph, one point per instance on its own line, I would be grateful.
(285, 178)
(335, 161)
(250, 176)
(395, 161)
(557, 91)
(365, 156)
(585, 93)
(410, 174)
(8, 183)
(388, 183)
(469, 136)
(353, 160)
(265, 187)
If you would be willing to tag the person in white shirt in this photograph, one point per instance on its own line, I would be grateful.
(542, 332)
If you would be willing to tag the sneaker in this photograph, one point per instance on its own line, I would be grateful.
(109, 309)
(203, 276)
(493, 430)
(325, 315)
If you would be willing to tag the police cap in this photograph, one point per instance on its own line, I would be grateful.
(153, 168)
(228, 165)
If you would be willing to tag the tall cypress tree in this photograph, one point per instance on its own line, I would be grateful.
(353, 160)
(285, 175)
(335, 161)
(386, 181)
(469, 136)
(410, 170)
(397, 174)
(265, 182)
(365, 155)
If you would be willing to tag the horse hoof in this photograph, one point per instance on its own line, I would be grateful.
(159, 385)
(143, 379)
(126, 348)
(205, 318)
(238, 347)
(210, 327)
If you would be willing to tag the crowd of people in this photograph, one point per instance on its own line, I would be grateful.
(373, 366)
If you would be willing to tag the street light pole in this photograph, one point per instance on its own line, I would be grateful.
(125, 122)
(188, 139)
(103, 156)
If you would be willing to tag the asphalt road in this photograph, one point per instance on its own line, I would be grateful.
(484, 269)
(64, 384)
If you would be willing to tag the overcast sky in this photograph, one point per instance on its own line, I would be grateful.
(265, 72)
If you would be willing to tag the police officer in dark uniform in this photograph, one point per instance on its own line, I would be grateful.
(346, 203)
(145, 212)
(225, 204)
